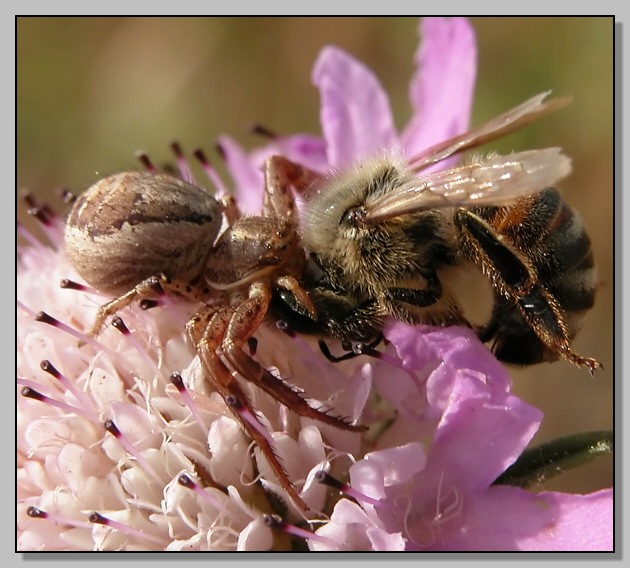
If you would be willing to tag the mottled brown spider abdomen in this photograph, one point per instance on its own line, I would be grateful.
(130, 226)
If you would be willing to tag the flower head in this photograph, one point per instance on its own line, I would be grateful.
(122, 446)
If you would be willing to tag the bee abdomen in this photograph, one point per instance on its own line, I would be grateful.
(553, 236)
(564, 258)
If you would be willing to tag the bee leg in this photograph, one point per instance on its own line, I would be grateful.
(516, 281)
(406, 304)
(420, 298)
(220, 377)
(338, 315)
(356, 350)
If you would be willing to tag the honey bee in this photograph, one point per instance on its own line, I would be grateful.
(388, 237)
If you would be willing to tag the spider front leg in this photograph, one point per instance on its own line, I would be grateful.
(207, 343)
(246, 319)
(280, 176)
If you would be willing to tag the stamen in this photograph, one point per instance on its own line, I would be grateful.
(36, 513)
(29, 392)
(221, 189)
(119, 324)
(246, 414)
(131, 449)
(220, 150)
(68, 284)
(40, 214)
(444, 513)
(99, 519)
(28, 236)
(54, 322)
(67, 196)
(47, 211)
(45, 217)
(276, 522)
(285, 328)
(163, 299)
(326, 479)
(40, 387)
(177, 380)
(29, 199)
(184, 169)
(85, 400)
(144, 159)
(262, 131)
(149, 304)
(185, 481)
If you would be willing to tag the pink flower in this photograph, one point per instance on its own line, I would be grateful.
(440, 496)
(116, 454)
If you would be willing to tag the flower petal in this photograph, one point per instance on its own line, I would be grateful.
(482, 432)
(583, 522)
(509, 518)
(355, 114)
(247, 176)
(442, 88)
(246, 169)
(255, 536)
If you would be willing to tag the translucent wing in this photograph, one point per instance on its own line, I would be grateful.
(529, 111)
(496, 180)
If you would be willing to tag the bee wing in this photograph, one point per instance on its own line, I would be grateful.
(519, 116)
(496, 180)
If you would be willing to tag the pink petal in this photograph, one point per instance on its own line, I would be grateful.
(384, 541)
(368, 477)
(422, 346)
(347, 528)
(355, 114)
(397, 464)
(247, 176)
(246, 169)
(482, 432)
(442, 88)
(509, 518)
(583, 522)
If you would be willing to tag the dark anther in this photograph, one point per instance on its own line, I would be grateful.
(47, 366)
(111, 428)
(98, 518)
(185, 481)
(323, 477)
(262, 131)
(177, 380)
(119, 324)
(148, 304)
(36, 513)
(273, 521)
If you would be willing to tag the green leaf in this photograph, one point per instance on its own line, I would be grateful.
(537, 465)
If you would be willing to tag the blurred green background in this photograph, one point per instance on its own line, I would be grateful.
(91, 91)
